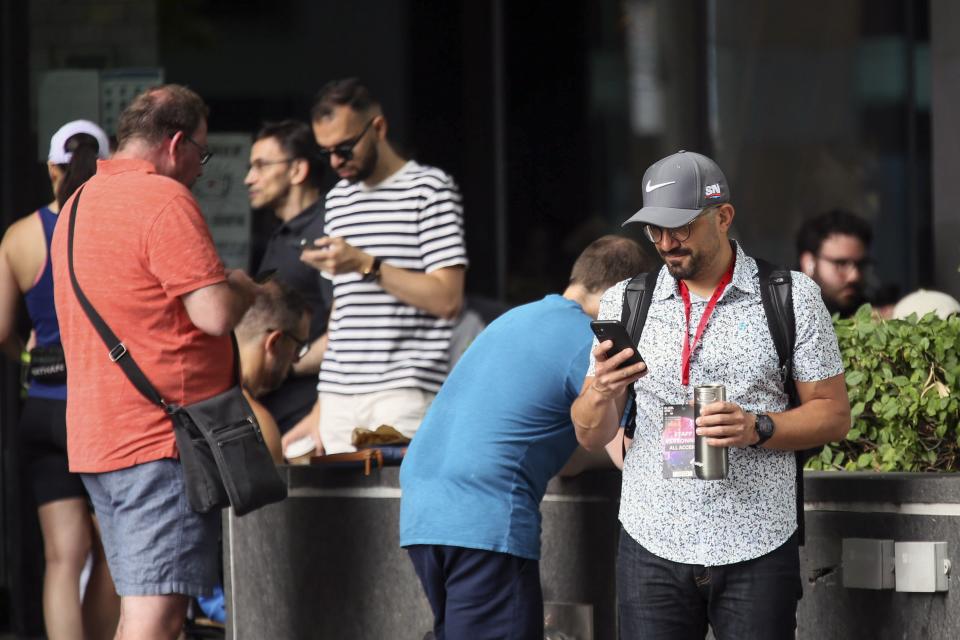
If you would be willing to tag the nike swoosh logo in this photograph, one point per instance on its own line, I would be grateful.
(654, 187)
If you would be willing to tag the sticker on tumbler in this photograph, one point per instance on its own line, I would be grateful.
(678, 438)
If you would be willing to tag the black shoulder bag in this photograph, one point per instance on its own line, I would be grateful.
(224, 458)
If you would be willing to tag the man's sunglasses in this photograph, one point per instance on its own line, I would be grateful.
(344, 150)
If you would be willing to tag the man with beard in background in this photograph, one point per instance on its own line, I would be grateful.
(395, 251)
(833, 250)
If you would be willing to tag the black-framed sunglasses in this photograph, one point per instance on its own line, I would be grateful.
(345, 149)
(680, 234)
(205, 153)
(303, 346)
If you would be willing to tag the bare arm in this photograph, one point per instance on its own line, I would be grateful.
(217, 308)
(9, 304)
(596, 411)
(309, 425)
(268, 427)
(22, 256)
(823, 416)
(439, 293)
(582, 460)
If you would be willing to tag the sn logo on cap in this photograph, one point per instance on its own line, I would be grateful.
(712, 191)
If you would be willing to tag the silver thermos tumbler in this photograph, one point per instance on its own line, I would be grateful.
(710, 463)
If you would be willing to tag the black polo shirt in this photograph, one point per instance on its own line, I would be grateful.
(296, 396)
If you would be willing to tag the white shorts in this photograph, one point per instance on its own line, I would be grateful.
(340, 414)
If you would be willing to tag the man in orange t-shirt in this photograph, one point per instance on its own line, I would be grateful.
(144, 257)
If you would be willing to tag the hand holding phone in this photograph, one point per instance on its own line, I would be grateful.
(615, 331)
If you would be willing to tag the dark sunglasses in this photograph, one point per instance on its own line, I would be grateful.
(344, 150)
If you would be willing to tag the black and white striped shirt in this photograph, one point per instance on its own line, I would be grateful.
(412, 220)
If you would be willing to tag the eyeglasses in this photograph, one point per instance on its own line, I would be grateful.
(205, 153)
(344, 149)
(303, 346)
(680, 234)
(260, 164)
(846, 265)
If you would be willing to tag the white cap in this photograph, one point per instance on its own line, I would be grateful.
(59, 155)
(922, 302)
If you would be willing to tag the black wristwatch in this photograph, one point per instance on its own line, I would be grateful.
(373, 273)
(764, 427)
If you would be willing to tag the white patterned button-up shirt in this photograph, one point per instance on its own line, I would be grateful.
(752, 511)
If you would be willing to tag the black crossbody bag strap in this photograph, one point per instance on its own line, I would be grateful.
(116, 350)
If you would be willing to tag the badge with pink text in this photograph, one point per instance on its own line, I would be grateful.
(678, 441)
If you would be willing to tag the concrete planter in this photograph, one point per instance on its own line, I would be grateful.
(325, 563)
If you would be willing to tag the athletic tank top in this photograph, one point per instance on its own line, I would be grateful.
(40, 308)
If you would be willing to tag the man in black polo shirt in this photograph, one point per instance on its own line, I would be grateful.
(284, 177)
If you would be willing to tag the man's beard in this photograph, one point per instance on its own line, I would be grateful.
(369, 165)
(846, 308)
(684, 271)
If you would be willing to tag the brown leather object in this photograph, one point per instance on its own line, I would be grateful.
(366, 458)
(382, 435)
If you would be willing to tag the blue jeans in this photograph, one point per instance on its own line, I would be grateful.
(754, 599)
(480, 595)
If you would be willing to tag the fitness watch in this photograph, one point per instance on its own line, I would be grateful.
(765, 427)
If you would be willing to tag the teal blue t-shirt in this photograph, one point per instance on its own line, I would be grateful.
(496, 433)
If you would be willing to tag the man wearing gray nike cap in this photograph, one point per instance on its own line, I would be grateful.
(722, 553)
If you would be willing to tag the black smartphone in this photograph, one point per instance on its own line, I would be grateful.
(265, 276)
(614, 330)
(307, 243)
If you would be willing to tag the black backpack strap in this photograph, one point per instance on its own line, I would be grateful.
(776, 291)
(633, 315)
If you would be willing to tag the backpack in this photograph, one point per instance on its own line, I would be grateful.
(776, 293)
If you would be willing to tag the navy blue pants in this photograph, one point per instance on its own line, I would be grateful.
(754, 599)
(476, 595)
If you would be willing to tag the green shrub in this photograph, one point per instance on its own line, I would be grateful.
(902, 379)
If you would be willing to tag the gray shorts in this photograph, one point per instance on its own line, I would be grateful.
(155, 544)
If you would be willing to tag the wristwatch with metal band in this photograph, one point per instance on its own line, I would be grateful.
(765, 427)
(371, 274)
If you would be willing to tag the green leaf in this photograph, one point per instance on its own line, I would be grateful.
(855, 378)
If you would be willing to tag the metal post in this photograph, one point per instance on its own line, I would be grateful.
(499, 150)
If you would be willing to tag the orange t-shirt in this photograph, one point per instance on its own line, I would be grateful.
(141, 243)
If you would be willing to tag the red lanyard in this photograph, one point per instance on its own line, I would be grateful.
(704, 319)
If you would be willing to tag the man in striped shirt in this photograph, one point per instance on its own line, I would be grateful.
(395, 251)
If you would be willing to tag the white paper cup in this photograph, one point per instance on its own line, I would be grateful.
(299, 451)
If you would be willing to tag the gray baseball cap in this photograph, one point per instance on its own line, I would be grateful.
(677, 188)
